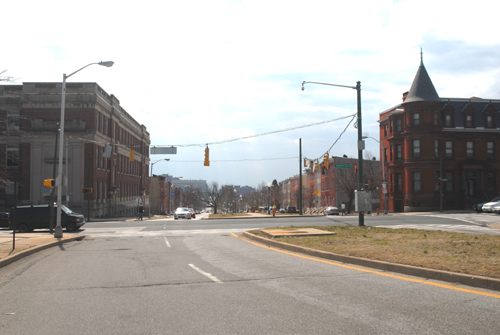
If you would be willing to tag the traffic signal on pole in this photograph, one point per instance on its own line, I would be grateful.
(50, 183)
(438, 183)
(323, 168)
(327, 160)
(88, 190)
(305, 163)
(355, 169)
(207, 158)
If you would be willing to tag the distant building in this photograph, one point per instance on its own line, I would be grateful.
(439, 149)
(185, 184)
(94, 120)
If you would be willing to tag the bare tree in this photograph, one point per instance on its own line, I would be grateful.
(212, 196)
(8, 79)
(347, 182)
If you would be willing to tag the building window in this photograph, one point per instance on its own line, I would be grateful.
(385, 155)
(11, 189)
(385, 130)
(447, 120)
(436, 119)
(490, 149)
(469, 122)
(416, 181)
(491, 181)
(398, 151)
(13, 120)
(449, 149)
(398, 125)
(449, 181)
(489, 121)
(391, 153)
(97, 125)
(12, 155)
(470, 149)
(437, 150)
(97, 157)
(390, 127)
(416, 148)
(416, 119)
(399, 182)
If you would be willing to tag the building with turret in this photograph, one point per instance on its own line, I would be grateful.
(439, 153)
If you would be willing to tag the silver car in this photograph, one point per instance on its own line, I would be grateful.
(183, 213)
(488, 207)
(331, 211)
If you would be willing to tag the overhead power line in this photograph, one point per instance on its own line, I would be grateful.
(256, 135)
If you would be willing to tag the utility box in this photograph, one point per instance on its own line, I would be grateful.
(363, 201)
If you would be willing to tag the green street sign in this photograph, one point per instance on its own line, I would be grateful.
(342, 166)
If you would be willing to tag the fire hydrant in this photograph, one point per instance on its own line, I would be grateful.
(378, 211)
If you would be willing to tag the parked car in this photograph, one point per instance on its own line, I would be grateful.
(32, 217)
(331, 211)
(291, 209)
(496, 209)
(282, 210)
(479, 207)
(183, 213)
(4, 220)
(488, 207)
(193, 214)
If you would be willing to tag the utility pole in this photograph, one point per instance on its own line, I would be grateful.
(300, 176)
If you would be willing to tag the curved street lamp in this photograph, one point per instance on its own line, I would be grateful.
(151, 182)
(360, 140)
(59, 181)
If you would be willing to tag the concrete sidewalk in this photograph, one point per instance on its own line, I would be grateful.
(29, 243)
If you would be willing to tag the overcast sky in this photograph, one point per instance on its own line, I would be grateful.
(197, 72)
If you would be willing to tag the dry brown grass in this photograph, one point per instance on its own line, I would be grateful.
(226, 215)
(473, 254)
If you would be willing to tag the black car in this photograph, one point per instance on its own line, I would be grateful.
(4, 220)
(291, 209)
(32, 217)
(479, 207)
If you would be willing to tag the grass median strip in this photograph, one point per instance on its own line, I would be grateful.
(473, 254)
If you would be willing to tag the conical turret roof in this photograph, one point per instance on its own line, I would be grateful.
(422, 88)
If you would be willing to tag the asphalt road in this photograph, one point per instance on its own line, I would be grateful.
(200, 277)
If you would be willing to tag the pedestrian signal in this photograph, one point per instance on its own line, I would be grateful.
(50, 183)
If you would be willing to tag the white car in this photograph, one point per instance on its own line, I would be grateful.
(182, 212)
(496, 209)
(488, 207)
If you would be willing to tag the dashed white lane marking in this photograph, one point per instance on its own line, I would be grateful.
(166, 241)
(206, 274)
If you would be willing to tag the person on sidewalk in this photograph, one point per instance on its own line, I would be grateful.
(342, 207)
(141, 212)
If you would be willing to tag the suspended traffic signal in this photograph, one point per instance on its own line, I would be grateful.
(327, 160)
(207, 158)
(438, 183)
(50, 183)
(305, 163)
(88, 190)
(355, 169)
(323, 168)
(131, 156)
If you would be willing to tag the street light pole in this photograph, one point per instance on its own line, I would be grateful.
(151, 183)
(384, 181)
(59, 181)
(361, 220)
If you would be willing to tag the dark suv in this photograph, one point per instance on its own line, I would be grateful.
(291, 209)
(32, 217)
(4, 220)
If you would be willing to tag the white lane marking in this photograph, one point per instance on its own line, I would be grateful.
(166, 241)
(206, 274)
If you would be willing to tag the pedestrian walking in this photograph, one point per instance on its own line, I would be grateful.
(141, 212)
(342, 207)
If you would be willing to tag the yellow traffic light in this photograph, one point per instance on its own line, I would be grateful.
(131, 157)
(207, 158)
(88, 190)
(305, 162)
(327, 161)
(50, 183)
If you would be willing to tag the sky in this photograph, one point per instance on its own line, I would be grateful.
(229, 73)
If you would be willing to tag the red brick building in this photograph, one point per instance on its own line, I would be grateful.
(94, 120)
(437, 147)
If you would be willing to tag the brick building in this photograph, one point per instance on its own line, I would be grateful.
(427, 137)
(94, 120)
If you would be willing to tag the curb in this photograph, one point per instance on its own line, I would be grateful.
(452, 277)
(11, 259)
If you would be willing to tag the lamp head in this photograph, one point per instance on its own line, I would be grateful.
(107, 63)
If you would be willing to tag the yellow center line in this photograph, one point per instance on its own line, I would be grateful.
(368, 271)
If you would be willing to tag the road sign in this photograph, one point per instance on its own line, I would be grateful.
(317, 192)
(45, 190)
(342, 166)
